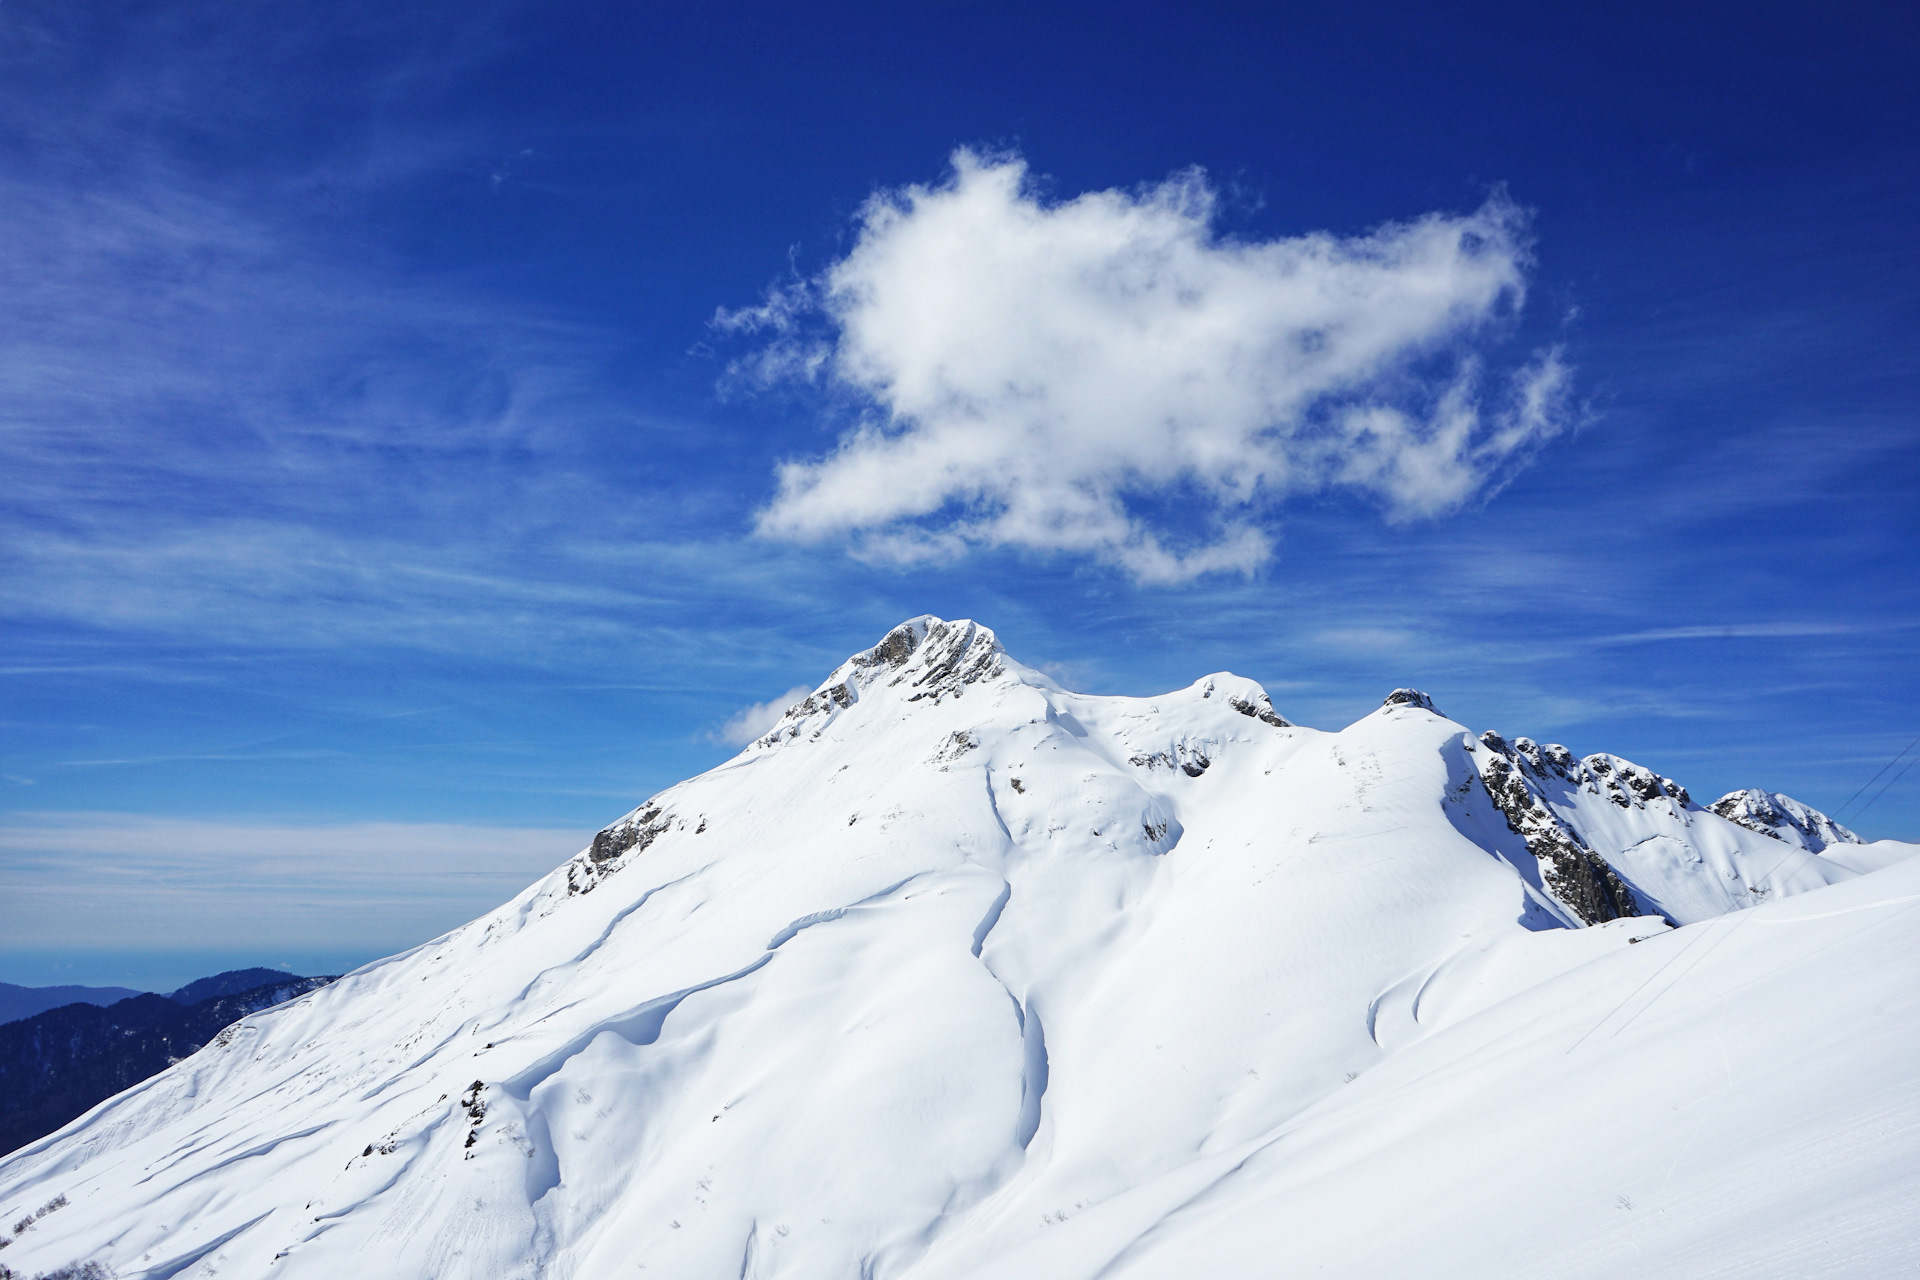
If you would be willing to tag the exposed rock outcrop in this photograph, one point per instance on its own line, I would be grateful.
(618, 844)
(1578, 878)
(1260, 708)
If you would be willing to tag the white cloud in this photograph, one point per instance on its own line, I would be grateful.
(755, 720)
(1109, 376)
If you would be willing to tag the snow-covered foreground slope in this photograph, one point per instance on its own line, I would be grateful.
(1731, 1099)
(957, 973)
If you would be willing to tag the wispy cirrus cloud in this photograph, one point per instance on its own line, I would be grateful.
(163, 342)
(1083, 376)
(216, 394)
(1738, 631)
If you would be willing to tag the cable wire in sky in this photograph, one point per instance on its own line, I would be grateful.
(1883, 790)
(1875, 778)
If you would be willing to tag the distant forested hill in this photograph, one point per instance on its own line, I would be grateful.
(24, 1002)
(58, 1064)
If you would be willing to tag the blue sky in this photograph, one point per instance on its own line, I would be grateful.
(397, 400)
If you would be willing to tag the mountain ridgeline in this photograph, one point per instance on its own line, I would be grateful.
(956, 973)
(18, 1002)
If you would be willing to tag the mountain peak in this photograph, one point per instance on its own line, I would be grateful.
(1410, 698)
(1783, 818)
(924, 657)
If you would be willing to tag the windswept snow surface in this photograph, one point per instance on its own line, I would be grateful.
(956, 973)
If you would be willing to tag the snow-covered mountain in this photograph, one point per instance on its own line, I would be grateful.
(957, 973)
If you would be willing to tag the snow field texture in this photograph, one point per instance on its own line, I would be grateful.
(956, 973)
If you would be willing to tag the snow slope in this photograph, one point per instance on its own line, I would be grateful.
(958, 973)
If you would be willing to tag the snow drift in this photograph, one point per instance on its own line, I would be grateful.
(957, 973)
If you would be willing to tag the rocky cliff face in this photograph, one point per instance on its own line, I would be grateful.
(1579, 879)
